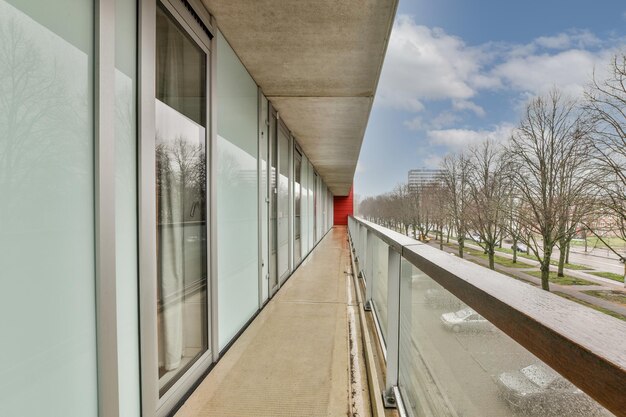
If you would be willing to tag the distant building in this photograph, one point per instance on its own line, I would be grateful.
(423, 176)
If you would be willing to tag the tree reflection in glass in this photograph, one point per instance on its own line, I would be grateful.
(180, 200)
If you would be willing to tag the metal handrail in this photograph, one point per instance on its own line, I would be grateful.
(585, 346)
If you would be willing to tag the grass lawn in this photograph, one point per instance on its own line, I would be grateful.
(505, 273)
(500, 260)
(566, 280)
(519, 254)
(610, 275)
(613, 296)
(571, 266)
(615, 242)
(595, 307)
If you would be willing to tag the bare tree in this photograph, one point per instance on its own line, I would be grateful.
(606, 104)
(438, 201)
(455, 177)
(488, 196)
(547, 155)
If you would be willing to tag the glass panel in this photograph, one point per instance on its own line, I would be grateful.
(126, 206)
(304, 204)
(264, 194)
(47, 303)
(297, 198)
(311, 208)
(181, 200)
(273, 203)
(316, 210)
(453, 362)
(379, 289)
(283, 202)
(237, 193)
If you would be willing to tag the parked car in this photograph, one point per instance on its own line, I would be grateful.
(465, 320)
(476, 238)
(520, 247)
(538, 390)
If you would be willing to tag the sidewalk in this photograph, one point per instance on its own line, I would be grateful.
(293, 360)
(573, 272)
(575, 291)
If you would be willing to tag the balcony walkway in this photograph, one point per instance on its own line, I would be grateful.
(293, 360)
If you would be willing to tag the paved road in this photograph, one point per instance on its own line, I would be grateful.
(572, 290)
(612, 284)
(600, 263)
(599, 259)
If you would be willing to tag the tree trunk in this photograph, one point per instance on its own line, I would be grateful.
(545, 268)
(514, 250)
(562, 251)
(461, 245)
(560, 272)
(448, 237)
(567, 249)
(545, 276)
(492, 256)
(440, 239)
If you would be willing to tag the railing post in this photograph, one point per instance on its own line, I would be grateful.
(393, 326)
(369, 269)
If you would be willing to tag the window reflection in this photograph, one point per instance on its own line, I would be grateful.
(180, 200)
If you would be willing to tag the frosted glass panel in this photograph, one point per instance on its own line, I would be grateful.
(297, 206)
(126, 207)
(311, 206)
(264, 195)
(304, 220)
(283, 202)
(380, 275)
(237, 204)
(48, 341)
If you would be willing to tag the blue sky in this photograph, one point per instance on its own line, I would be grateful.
(459, 71)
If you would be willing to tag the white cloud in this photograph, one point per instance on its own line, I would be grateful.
(443, 119)
(570, 39)
(560, 41)
(415, 123)
(432, 161)
(468, 105)
(460, 139)
(568, 70)
(428, 64)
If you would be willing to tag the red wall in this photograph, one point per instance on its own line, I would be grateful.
(344, 207)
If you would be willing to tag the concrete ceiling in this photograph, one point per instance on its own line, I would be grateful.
(318, 62)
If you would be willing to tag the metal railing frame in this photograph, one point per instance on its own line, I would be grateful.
(587, 347)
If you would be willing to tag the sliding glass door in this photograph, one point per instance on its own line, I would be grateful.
(273, 215)
(283, 201)
(297, 206)
(181, 198)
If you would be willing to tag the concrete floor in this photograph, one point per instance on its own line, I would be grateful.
(293, 360)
